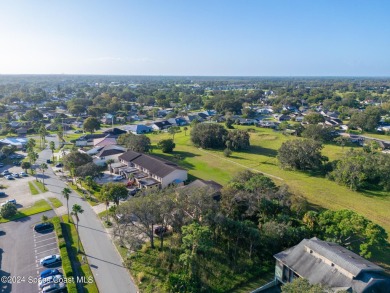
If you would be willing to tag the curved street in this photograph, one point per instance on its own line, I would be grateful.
(103, 257)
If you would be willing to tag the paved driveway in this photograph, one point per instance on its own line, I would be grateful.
(20, 252)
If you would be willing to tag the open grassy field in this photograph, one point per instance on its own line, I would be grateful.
(212, 165)
(320, 192)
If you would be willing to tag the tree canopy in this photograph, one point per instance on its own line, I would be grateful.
(209, 135)
(76, 159)
(91, 124)
(301, 154)
(138, 143)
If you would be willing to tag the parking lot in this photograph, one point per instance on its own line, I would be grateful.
(17, 188)
(22, 249)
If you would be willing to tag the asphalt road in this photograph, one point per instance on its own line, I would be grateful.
(106, 264)
(21, 251)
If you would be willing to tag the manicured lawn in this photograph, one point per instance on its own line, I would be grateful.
(33, 188)
(55, 202)
(212, 165)
(85, 270)
(38, 207)
(41, 187)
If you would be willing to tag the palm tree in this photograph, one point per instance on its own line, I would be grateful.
(66, 192)
(43, 167)
(76, 211)
(52, 147)
(89, 181)
(109, 162)
(105, 196)
(42, 133)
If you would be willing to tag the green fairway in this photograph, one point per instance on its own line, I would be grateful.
(212, 165)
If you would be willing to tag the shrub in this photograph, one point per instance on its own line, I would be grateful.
(227, 152)
(141, 277)
(166, 145)
(8, 210)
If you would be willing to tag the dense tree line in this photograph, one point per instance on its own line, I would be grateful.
(359, 169)
(254, 219)
(216, 136)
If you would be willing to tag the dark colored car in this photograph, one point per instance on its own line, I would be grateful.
(48, 161)
(43, 226)
(49, 272)
(59, 165)
(2, 193)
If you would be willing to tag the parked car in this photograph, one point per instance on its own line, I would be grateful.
(5, 172)
(78, 131)
(23, 174)
(43, 226)
(59, 165)
(49, 272)
(13, 201)
(9, 177)
(50, 259)
(19, 156)
(2, 193)
(133, 191)
(50, 280)
(16, 163)
(118, 178)
(1, 165)
(56, 287)
(48, 161)
(15, 175)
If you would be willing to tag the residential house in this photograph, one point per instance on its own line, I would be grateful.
(282, 117)
(18, 142)
(108, 152)
(179, 121)
(107, 140)
(329, 264)
(88, 139)
(150, 171)
(191, 118)
(137, 129)
(244, 121)
(161, 125)
(210, 184)
(114, 132)
(22, 131)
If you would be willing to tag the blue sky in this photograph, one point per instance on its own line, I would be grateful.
(203, 37)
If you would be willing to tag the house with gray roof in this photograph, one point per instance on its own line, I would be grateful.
(108, 152)
(150, 171)
(137, 129)
(329, 264)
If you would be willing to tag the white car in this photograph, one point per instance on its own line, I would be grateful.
(9, 201)
(118, 178)
(23, 174)
(49, 280)
(50, 259)
(9, 177)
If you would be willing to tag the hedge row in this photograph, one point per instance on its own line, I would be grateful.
(66, 264)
